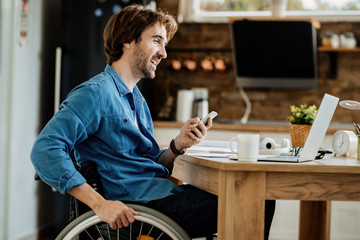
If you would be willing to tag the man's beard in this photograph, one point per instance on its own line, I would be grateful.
(142, 66)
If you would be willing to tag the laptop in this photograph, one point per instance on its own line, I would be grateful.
(316, 134)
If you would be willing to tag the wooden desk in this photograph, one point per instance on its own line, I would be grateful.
(242, 188)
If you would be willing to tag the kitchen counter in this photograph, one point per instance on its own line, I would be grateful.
(253, 126)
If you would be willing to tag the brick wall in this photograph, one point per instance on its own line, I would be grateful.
(197, 41)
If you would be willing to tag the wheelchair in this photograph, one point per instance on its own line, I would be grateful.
(150, 224)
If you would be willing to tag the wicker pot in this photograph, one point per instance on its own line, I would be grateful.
(298, 134)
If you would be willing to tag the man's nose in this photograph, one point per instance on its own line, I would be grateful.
(162, 53)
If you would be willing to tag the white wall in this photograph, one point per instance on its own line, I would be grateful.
(19, 119)
(4, 112)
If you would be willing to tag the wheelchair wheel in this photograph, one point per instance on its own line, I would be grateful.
(149, 225)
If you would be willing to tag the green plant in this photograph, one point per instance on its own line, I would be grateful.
(302, 114)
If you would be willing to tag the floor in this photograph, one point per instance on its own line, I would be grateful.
(215, 237)
(48, 234)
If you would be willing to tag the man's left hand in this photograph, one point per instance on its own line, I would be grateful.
(191, 133)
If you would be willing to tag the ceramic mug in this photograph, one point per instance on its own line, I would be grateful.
(247, 146)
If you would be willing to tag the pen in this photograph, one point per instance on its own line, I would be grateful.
(357, 129)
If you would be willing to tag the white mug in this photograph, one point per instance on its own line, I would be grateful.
(247, 146)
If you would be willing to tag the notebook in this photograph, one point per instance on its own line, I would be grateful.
(316, 134)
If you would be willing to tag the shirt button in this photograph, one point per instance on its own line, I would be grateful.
(148, 148)
(125, 120)
(133, 108)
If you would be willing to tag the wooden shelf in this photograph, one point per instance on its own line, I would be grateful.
(330, 49)
(333, 54)
(315, 22)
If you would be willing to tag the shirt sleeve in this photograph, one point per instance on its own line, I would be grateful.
(167, 170)
(77, 118)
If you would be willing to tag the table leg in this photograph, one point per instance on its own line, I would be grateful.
(241, 205)
(315, 220)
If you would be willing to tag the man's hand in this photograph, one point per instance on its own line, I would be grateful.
(115, 213)
(190, 134)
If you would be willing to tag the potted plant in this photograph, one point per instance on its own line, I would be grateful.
(300, 120)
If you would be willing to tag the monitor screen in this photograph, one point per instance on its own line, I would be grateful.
(274, 54)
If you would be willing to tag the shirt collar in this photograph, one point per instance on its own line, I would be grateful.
(121, 86)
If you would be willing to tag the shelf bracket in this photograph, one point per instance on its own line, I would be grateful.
(333, 65)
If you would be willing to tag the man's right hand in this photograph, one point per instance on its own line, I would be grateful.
(115, 213)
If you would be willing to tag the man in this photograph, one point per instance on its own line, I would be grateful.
(106, 120)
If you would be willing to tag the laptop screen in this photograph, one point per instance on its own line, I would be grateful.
(319, 127)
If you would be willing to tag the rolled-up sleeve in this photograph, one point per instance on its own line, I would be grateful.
(51, 158)
(51, 151)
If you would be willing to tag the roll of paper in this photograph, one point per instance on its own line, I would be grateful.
(185, 100)
(267, 143)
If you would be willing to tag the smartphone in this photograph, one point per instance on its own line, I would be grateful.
(204, 120)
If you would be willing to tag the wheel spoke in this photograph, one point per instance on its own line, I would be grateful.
(130, 230)
(160, 236)
(102, 238)
(89, 234)
(150, 230)
(107, 226)
(142, 224)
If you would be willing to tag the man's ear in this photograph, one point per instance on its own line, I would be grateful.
(127, 45)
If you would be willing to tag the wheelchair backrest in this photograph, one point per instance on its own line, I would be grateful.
(91, 174)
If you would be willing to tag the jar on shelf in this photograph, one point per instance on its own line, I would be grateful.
(326, 39)
(349, 40)
(335, 41)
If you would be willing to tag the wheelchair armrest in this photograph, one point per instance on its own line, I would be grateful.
(89, 172)
(37, 177)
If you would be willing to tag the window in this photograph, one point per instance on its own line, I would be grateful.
(293, 5)
(220, 10)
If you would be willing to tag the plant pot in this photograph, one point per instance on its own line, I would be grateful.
(298, 134)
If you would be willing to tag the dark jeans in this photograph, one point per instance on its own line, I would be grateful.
(196, 211)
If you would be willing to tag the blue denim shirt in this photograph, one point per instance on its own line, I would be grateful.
(97, 120)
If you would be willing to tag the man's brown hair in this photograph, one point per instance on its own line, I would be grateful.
(128, 24)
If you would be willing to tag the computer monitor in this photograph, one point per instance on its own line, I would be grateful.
(274, 54)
